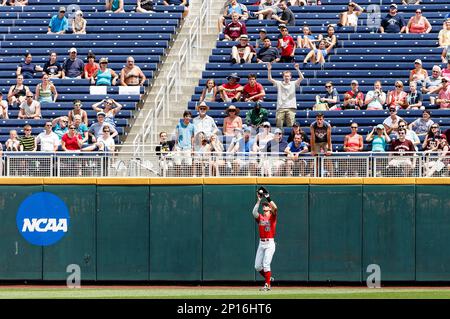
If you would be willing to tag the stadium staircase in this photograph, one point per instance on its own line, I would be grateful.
(360, 54)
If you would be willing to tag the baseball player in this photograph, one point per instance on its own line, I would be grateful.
(267, 222)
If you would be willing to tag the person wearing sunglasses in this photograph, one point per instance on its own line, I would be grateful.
(48, 140)
(391, 122)
(30, 108)
(353, 142)
(443, 99)
(397, 97)
(410, 134)
(330, 98)
(27, 141)
(401, 161)
(71, 141)
(110, 107)
(60, 126)
(418, 23)
(354, 98)
(433, 83)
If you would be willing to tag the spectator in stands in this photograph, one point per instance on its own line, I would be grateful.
(286, 45)
(422, 125)
(164, 152)
(267, 8)
(275, 161)
(14, 3)
(73, 67)
(244, 146)
(71, 141)
(3, 108)
(308, 41)
(104, 75)
(115, 6)
(52, 67)
(231, 91)
(286, 96)
(96, 129)
(242, 52)
(13, 143)
(77, 110)
(29, 109)
(231, 121)
(418, 23)
(353, 99)
(418, 74)
(58, 23)
(353, 142)
(410, 134)
(106, 141)
(183, 3)
(446, 71)
(296, 129)
(46, 91)
(216, 149)
(253, 91)
(110, 108)
(81, 128)
(90, 67)
(443, 99)
(398, 158)
(259, 43)
(203, 122)
(393, 22)
(330, 97)
(48, 140)
(414, 98)
(330, 39)
(376, 98)
(287, 16)
(397, 97)
(209, 92)
(17, 92)
(440, 148)
(320, 136)
(28, 69)
(268, 53)
(433, 83)
(131, 74)
(317, 55)
(145, 6)
(60, 126)
(184, 141)
(79, 23)
(28, 141)
(444, 40)
(411, 2)
(234, 29)
(391, 122)
(379, 140)
(262, 138)
(256, 116)
(233, 7)
(349, 18)
(294, 151)
(436, 134)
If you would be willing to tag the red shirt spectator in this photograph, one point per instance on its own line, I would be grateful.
(399, 146)
(234, 87)
(71, 143)
(287, 45)
(235, 28)
(253, 91)
(444, 94)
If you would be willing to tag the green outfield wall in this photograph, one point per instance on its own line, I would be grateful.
(203, 229)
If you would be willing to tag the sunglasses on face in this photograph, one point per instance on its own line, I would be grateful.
(27, 130)
(328, 86)
(355, 127)
(398, 86)
(231, 110)
(444, 81)
(434, 127)
(392, 111)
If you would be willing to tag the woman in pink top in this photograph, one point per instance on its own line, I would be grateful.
(353, 142)
(418, 23)
(232, 120)
(397, 97)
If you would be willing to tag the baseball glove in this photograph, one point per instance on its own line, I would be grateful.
(262, 191)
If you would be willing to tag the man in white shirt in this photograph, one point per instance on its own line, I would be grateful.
(203, 122)
(286, 97)
(48, 140)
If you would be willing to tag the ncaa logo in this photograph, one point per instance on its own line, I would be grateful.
(43, 219)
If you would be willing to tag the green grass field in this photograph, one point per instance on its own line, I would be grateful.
(223, 293)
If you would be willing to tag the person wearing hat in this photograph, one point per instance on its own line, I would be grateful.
(253, 91)
(263, 137)
(286, 45)
(354, 98)
(234, 29)
(115, 6)
(96, 129)
(393, 22)
(443, 99)
(287, 16)
(242, 51)
(262, 36)
(232, 90)
(104, 75)
(379, 138)
(391, 122)
(58, 23)
(418, 74)
(256, 116)
(231, 121)
(286, 96)
(73, 67)
(79, 23)
(267, 53)
(110, 107)
(203, 122)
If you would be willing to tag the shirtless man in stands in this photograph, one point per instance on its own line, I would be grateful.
(131, 74)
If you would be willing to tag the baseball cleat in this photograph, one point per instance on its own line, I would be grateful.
(265, 288)
(272, 279)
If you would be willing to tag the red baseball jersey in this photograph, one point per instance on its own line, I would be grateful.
(267, 225)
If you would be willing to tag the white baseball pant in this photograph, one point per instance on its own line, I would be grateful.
(264, 255)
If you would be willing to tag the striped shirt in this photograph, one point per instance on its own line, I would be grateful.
(28, 143)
